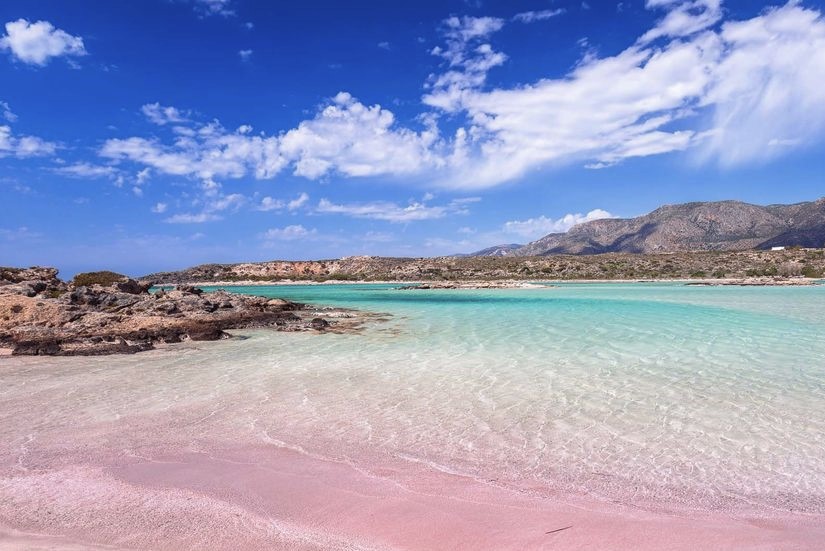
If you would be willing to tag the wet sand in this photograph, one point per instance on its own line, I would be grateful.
(265, 497)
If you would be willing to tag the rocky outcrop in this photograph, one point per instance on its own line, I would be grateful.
(41, 315)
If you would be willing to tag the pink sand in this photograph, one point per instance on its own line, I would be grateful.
(263, 497)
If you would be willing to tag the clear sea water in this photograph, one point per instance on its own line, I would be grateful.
(659, 395)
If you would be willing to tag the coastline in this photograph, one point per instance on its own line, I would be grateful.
(216, 470)
(514, 283)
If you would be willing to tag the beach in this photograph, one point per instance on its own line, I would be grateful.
(619, 416)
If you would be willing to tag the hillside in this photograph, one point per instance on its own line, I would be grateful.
(701, 226)
(736, 264)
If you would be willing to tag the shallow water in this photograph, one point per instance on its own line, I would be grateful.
(657, 395)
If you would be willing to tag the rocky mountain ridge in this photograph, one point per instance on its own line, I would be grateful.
(698, 226)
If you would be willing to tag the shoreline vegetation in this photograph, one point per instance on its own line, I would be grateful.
(109, 313)
(722, 266)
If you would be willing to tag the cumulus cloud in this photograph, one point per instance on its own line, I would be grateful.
(37, 43)
(756, 81)
(468, 58)
(271, 204)
(207, 153)
(160, 115)
(298, 202)
(159, 208)
(345, 136)
(533, 228)
(246, 55)
(353, 139)
(268, 204)
(23, 146)
(728, 92)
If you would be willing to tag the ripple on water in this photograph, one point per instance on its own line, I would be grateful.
(650, 394)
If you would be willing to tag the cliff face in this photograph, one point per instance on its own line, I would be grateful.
(716, 226)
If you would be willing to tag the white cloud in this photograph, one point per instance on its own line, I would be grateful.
(268, 203)
(289, 233)
(353, 139)
(727, 94)
(298, 202)
(384, 45)
(86, 170)
(230, 202)
(392, 212)
(468, 60)
(768, 88)
(160, 208)
(685, 17)
(245, 54)
(143, 176)
(23, 146)
(533, 228)
(189, 218)
(541, 15)
(137, 191)
(160, 115)
(36, 43)
(8, 114)
(210, 151)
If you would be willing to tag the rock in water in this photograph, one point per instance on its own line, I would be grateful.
(41, 315)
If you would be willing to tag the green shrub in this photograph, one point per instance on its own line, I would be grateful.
(810, 271)
(104, 278)
(700, 273)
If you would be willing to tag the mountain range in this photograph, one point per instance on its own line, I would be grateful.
(698, 226)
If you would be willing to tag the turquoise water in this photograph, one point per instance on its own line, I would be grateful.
(711, 396)
(658, 395)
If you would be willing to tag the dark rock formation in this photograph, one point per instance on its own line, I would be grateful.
(46, 316)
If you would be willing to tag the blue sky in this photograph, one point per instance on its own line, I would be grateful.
(141, 136)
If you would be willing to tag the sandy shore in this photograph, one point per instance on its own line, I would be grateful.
(275, 498)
